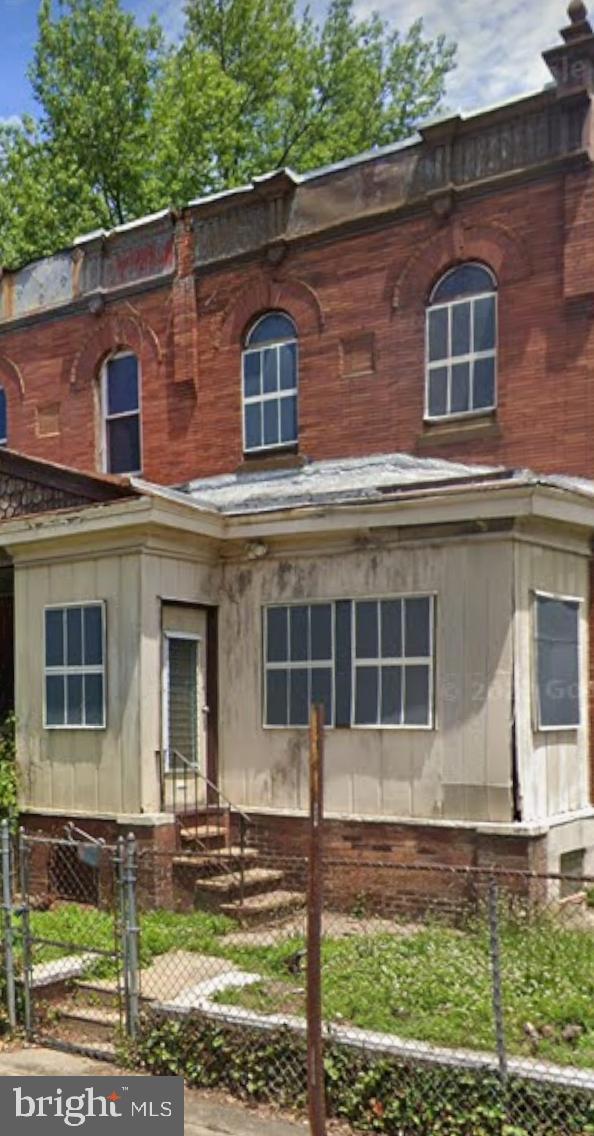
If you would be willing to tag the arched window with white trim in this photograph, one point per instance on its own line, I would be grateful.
(461, 347)
(269, 384)
(122, 428)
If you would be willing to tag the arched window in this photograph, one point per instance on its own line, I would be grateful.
(462, 343)
(270, 384)
(3, 418)
(122, 444)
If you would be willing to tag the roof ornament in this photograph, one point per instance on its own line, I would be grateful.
(577, 11)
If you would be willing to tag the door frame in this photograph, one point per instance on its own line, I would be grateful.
(211, 677)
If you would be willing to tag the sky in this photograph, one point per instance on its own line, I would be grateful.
(499, 43)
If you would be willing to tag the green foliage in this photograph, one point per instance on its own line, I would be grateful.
(8, 769)
(126, 126)
(371, 1093)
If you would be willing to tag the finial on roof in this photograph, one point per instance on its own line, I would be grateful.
(577, 11)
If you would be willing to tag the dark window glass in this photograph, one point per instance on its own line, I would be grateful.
(288, 411)
(391, 707)
(253, 425)
(298, 699)
(271, 435)
(417, 635)
(461, 329)
(74, 700)
(366, 692)
(288, 366)
(299, 619)
(251, 374)
(277, 646)
(321, 631)
(438, 391)
(366, 630)
(93, 624)
(269, 370)
(271, 328)
(438, 334)
(558, 662)
(484, 383)
(122, 385)
(321, 690)
(391, 616)
(74, 636)
(460, 388)
(467, 280)
(484, 324)
(276, 698)
(3, 418)
(123, 442)
(54, 638)
(94, 699)
(54, 700)
(343, 663)
(416, 696)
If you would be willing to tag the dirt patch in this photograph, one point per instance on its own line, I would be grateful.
(335, 925)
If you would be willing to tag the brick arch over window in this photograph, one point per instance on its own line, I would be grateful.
(499, 248)
(120, 331)
(261, 294)
(11, 376)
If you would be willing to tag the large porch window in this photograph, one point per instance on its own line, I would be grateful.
(75, 666)
(557, 662)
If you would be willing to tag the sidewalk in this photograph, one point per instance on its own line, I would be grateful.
(204, 1116)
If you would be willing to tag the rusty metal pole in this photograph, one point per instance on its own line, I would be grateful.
(315, 1061)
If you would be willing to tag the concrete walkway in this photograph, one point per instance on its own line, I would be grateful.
(205, 1116)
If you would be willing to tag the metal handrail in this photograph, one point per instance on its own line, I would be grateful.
(209, 784)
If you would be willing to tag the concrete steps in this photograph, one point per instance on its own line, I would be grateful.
(88, 1024)
(268, 905)
(211, 892)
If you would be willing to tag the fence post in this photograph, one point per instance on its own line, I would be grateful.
(26, 932)
(120, 869)
(7, 907)
(315, 1057)
(496, 978)
(131, 934)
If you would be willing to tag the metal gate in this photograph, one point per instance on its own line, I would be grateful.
(71, 939)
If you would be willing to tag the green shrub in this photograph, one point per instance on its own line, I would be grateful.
(370, 1092)
(8, 769)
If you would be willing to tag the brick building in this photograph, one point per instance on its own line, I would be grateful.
(435, 299)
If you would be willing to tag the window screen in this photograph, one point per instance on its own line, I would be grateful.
(74, 666)
(557, 656)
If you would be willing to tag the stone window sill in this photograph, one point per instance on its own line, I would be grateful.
(287, 457)
(459, 430)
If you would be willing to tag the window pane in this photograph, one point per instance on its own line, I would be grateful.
(391, 709)
(366, 630)
(288, 411)
(438, 392)
(460, 387)
(272, 328)
(94, 699)
(298, 699)
(276, 698)
(54, 700)
(484, 324)
(557, 619)
(321, 631)
(122, 385)
(251, 374)
(366, 691)
(253, 426)
(271, 435)
(288, 366)
(461, 329)
(468, 280)
(123, 444)
(277, 642)
(54, 638)
(391, 614)
(74, 700)
(558, 684)
(416, 696)
(299, 619)
(270, 370)
(438, 334)
(93, 624)
(321, 690)
(416, 627)
(3, 417)
(484, 383)
(74, 636)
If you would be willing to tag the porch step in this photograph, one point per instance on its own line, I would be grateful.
(96, 995)
(204, 835)
(86, 1022)
(268, 905)
(210, 863)
(213, 891)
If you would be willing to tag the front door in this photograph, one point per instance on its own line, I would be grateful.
(184, 692)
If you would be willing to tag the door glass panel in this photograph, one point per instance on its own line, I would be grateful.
(182, 700)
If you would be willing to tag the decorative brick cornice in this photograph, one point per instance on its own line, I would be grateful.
(263, 293)
(114, 331)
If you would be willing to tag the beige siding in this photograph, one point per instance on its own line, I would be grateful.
(462, 768)
(553, 766)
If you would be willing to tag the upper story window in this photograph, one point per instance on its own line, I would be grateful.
(121, 414)
(461, 343)
(3, 418)
(270, 384)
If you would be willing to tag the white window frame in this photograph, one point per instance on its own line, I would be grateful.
(105, 417)
(538, 725)
(278, 395)
(165, 672)
(449, 361)
(66, 670)
(302, 664)
(403, 662)
(4, 439)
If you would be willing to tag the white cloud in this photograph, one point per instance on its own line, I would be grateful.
(499, 42)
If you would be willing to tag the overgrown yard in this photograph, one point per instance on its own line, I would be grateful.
(431, 982)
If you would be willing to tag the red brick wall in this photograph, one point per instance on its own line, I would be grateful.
(354, 299)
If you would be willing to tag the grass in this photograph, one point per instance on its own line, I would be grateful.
(432, 985)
